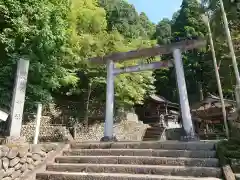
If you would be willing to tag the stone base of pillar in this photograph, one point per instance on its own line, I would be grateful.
(109, 139)
(190, 138)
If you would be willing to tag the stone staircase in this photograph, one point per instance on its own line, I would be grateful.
(154, 133)
(166, 160)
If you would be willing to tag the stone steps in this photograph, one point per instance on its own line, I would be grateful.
(153, 160)
(181, 161)
(154, 130)
(51, 175)
(137, 169)
(141, 152)
(154, 133)
(155, 138)
(168, 145)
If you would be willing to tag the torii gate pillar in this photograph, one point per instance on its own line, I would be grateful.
(108, 126)
(183, 96)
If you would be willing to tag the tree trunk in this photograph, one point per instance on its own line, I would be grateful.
(201, 91)
(87, 105)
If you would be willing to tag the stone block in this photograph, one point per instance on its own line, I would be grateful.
(29, 160)
(15, 140)
(24, 167)
(5, 163)
(3, 151)
(23, 160)
(23, 151)
(30, 167)
(36, 157)
(9, 171)
(18, 166)
(13, 152)
(36, 163)
(16, 174)
(2, 172)
(7, 178)
(14, 162)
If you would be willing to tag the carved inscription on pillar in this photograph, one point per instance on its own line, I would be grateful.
(19, 97)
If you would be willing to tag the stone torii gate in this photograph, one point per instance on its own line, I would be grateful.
(175, 48)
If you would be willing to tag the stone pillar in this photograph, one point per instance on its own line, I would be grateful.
(18, 99)
(183, 96)
(108, 127)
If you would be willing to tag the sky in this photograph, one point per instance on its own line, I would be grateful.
(157, 9)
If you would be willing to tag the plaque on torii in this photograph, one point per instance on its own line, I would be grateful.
(175, 48)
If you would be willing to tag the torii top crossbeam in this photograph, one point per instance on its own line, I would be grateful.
(148, 52)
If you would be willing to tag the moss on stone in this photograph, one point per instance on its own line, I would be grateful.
(227, 150)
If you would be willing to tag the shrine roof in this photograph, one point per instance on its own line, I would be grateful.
(161, 99)
(212, 102)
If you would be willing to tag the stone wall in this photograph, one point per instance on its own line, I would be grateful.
(16, 162)
(48, 133)
(124, 131)
(30, 119)
(57, 132)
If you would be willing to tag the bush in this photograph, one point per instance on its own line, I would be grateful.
(228, 150)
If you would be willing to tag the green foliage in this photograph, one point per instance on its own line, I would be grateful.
(198, 64)
(35, 30)
(94, 40)
(163, 32)
(59, 36)
(232, 9)
(228, 150)
(123, 17)
(186, 23)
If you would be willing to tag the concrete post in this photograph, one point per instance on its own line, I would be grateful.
(218, 78)
(233, 55)
(18, 99)
(185, 109)
(38, 122)
(108, 128)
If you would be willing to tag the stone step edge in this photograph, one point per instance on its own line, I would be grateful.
(141, 142)
(117, 175)
(133, 165)
(139, 160)
(139, 150)
(175, 145)
(136, 169)
(141, 157)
